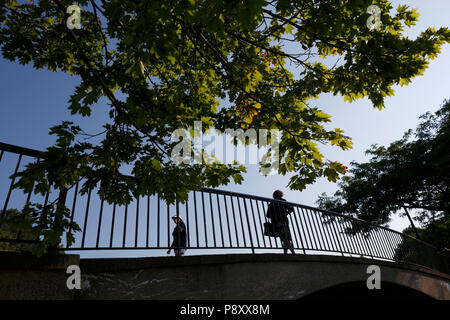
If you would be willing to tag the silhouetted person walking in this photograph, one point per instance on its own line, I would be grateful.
(179, 237)
(278, 214)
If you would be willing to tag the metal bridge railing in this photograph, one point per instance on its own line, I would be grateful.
(214, 219)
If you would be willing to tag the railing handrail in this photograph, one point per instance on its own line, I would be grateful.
(21, 150)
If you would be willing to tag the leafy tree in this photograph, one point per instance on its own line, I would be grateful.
(11, 228)
(164, 64)
(34, 222)
(436, 232)
(411, 173)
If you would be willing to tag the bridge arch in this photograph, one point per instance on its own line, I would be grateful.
(357, 290)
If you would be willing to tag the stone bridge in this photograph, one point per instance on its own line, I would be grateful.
(221, 277)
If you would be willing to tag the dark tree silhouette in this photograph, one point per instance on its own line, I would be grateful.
(410, 174)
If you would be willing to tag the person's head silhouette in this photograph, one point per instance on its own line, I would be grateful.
(176, 219)
(277, 194)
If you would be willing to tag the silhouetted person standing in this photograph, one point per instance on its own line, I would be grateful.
(179, 237)
(278, 214)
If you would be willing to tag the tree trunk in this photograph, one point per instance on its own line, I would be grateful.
(412, 223)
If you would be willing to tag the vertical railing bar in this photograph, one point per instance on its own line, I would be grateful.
(349, 243)
(248, 225)
(330, 235)
(363, 243)
(228, 220)
(319, 229)
(300, 228)
(370, 241)
(336, 240)
(220, 220)
(358, 242)
(355, 238)
(254, 222)
(295, 238)
(295, 228)
(196, 220)
(313, 228)
(204, 219)
(265, 220)
(341, 239)
(137, 222)
(112, 225)
(168, 223)
(158, 223)
(235, 223)
(378, 244)
(99, 223)
(301, 217)
(177, 208)
(260, 223)
(351, 239)
(324, 231)
(188, 234)
(212, 219)
(316, 232)
(391, 248)
(148, 223)
(336, 235)
(389, 243)
(383, 243)
(242, 221)
(125, 225)
(29, 194)
(266, 208)
(74, 202)
(332, 239)
(86, 218)
(1, 155)
(367, 241)
(277, 239)
(307, 223)
(13, 179)
(346, 236)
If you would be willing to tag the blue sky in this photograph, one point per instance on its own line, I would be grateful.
(34, 100)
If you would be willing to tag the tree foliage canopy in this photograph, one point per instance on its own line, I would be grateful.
(413, 172)
(163, 64)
